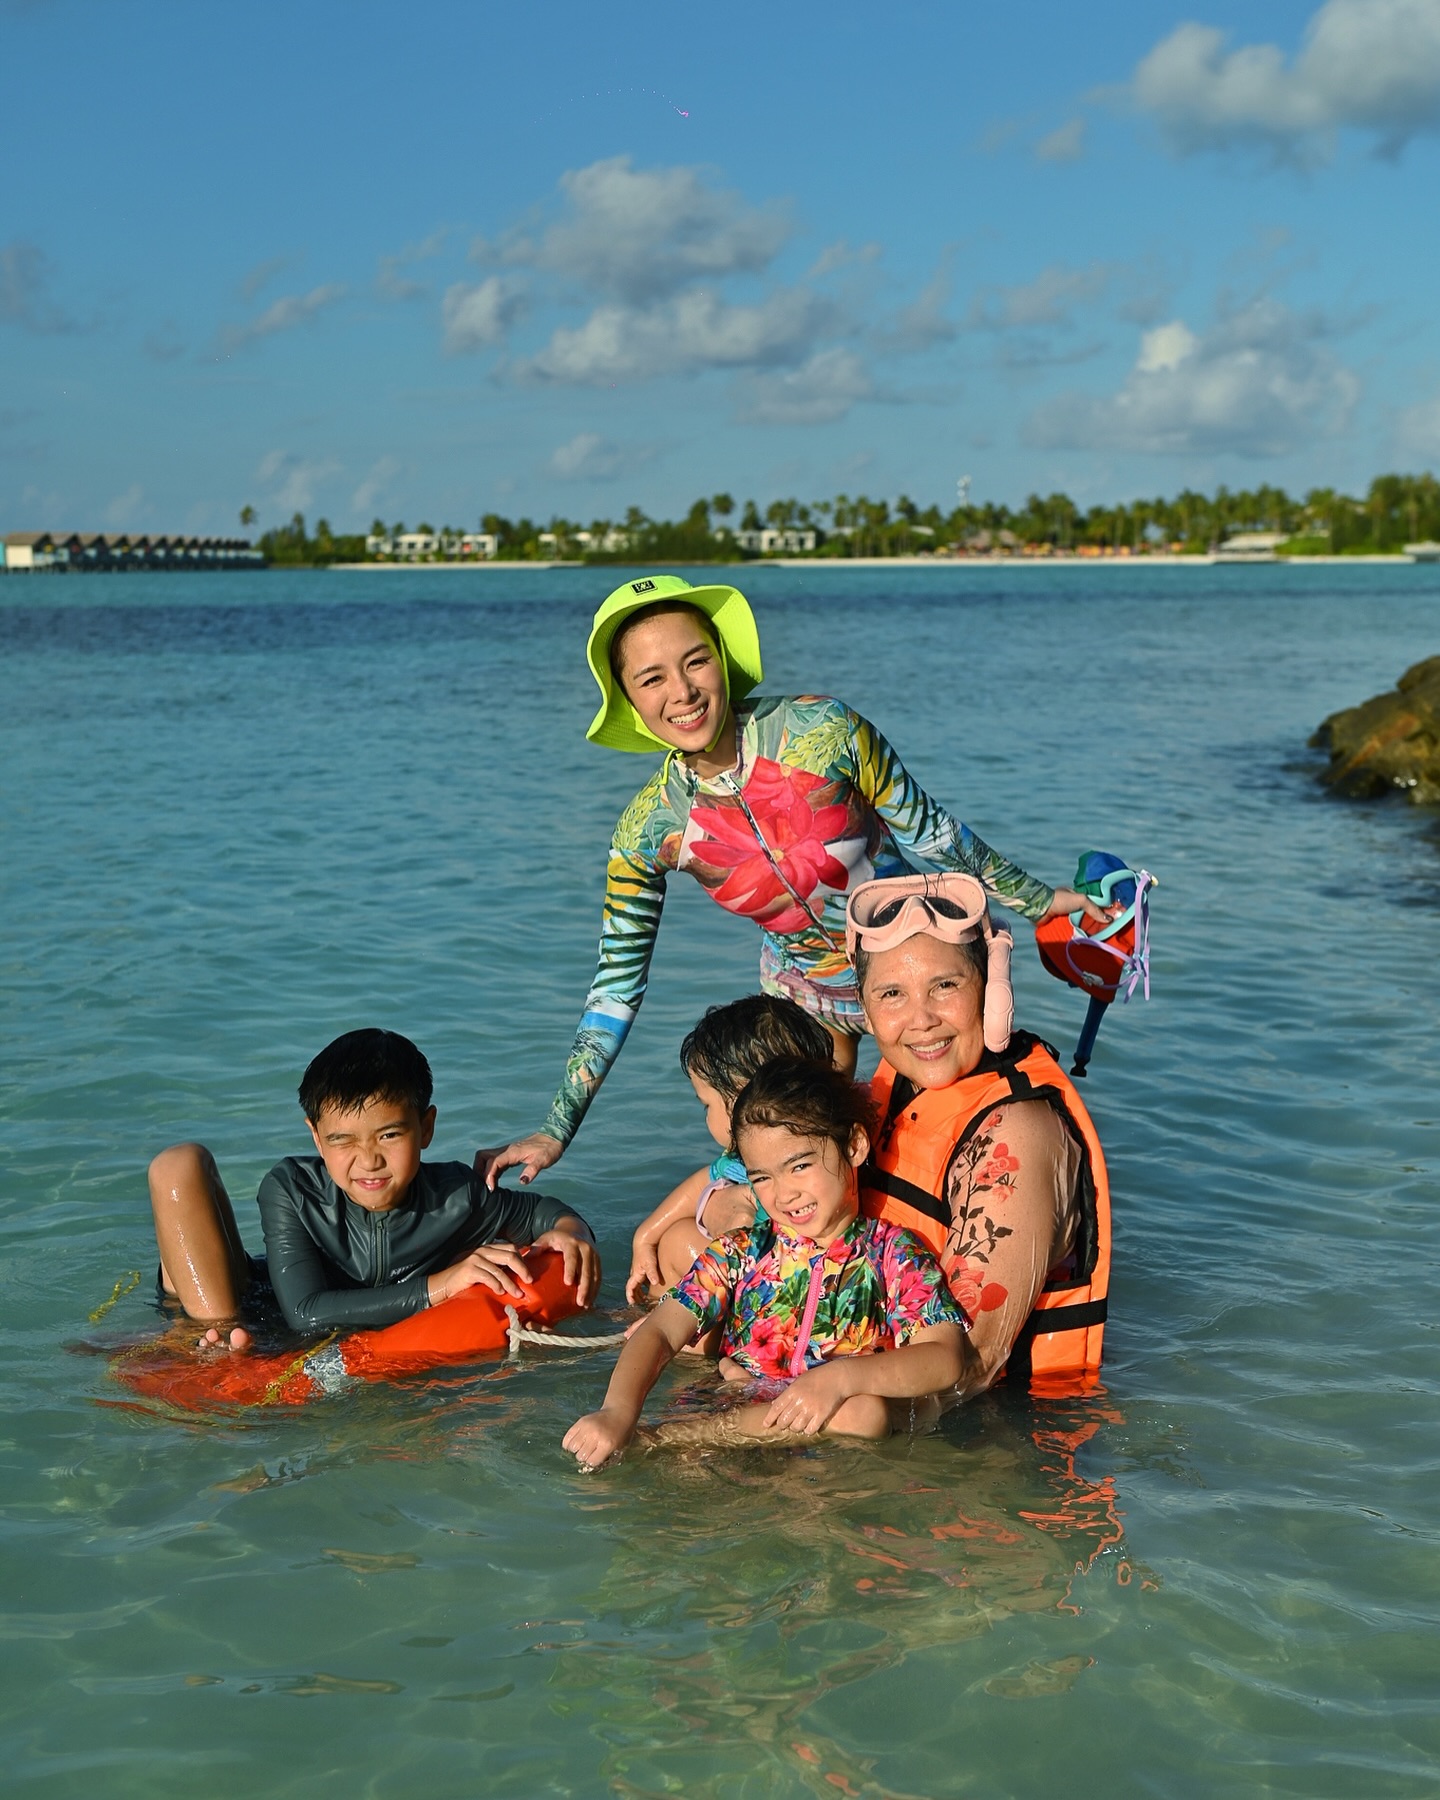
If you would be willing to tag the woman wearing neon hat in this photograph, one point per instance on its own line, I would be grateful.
(778, 806)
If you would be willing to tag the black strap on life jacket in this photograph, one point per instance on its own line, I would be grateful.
(931, 1205)
(1079, 1317)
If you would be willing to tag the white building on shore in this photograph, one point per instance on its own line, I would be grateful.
(771, 541)
(613, 539)
(423, 546)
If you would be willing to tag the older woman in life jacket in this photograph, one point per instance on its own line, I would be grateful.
(984, 1149)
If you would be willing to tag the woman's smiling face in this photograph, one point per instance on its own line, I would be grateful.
(672, 675)
(924, 1001)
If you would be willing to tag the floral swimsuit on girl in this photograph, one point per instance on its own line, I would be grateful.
(788, 1304)
(817, 803)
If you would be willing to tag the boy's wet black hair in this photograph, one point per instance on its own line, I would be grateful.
(366, 1065)
(732, 1043)
(795, 1094)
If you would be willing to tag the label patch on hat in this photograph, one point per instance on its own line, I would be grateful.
(641, 587)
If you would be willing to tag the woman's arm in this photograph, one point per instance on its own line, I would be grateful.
(924, 826)
(933, 1360)
(1012, 1193)
(634, 898)
(594, 1439)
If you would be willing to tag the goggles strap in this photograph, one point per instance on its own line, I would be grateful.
(1134, 967)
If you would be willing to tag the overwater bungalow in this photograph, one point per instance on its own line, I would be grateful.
(93, 552)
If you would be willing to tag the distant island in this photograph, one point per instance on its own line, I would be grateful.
(1398, 511)
(1399, 516)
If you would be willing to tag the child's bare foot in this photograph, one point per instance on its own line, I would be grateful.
(240, 1339)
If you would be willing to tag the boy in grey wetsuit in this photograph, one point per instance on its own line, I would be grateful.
(364, 1233)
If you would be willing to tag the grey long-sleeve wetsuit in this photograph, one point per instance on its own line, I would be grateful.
(333, 1263)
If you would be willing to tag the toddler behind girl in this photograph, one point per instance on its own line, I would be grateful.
(729, 1045)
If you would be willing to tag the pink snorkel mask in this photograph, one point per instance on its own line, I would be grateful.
(882, 914)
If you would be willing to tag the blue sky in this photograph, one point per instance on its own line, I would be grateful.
(434, 260)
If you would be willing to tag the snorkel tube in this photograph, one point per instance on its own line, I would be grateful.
(1108, 964)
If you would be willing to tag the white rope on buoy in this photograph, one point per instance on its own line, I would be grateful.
(519, 1334)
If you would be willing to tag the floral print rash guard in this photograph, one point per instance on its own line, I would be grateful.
(817, 803)
(878, 1286)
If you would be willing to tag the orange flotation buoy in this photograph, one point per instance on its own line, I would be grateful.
(456, 1331)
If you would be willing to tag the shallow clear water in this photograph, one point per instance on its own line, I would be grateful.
(243, 814)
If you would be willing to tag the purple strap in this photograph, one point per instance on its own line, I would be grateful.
(1134, 968)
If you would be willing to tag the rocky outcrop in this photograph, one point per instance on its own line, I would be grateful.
(1390, 744)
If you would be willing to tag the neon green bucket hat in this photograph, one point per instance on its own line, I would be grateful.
(617, 725)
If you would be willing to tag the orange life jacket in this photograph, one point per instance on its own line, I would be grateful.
(1058, 1349)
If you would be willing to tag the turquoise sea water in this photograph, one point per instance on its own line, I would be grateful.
(243, 814)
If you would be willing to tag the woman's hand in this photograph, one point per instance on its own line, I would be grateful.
(594, 1439)
(1069, 900)
(534, 1153)
(814, 1398)
(492, 1265)
(582, 1259)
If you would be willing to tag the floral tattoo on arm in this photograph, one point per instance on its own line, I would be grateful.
(982, 1176)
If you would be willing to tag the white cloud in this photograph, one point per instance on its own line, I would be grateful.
(841, 255)
(375, 484)
(286, 313)
(590, 457)
(1260, 382)
(122, 509)
(263, 273)
(820, 391)
(1065, 144)
(1418, 428)
(1033, 350)
(391, 279)
(653, 248)
(638, 235)
(293, 480)
(43, 503)
(1145, 292)
(1166, 347)
(1047, 300)
(480, 315)
(1368, 65)
(926, 320)
(693, 331)
(24, 290)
